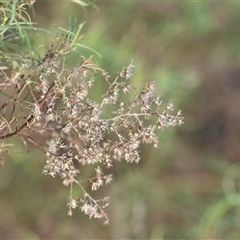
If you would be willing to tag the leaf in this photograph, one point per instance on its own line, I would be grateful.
(89, 48)
(81, 3)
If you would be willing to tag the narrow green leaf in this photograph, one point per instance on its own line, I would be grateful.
(89, 48)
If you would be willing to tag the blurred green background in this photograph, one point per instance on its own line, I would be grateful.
(188, 187)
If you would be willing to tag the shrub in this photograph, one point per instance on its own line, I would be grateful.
(48, 105)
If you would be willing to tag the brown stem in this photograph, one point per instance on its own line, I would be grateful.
(31, 118)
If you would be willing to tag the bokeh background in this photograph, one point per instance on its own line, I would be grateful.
(188, 187)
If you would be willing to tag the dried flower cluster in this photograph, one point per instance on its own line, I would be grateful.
(50, 106)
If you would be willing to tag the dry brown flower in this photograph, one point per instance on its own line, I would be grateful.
(48, 105)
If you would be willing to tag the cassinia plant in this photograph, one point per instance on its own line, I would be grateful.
(45, 104)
